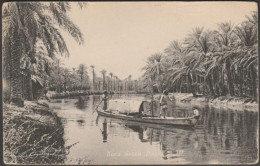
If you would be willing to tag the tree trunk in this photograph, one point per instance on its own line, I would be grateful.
(15, 74)
(210, 86)
(28, 88)
(104, 82)
(192, 89)
(111, 84)
(253, 82)
(229, 79)
(93, 79)
(241, 84)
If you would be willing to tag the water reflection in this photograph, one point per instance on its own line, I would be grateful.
(221, 136)
(81, 103)
(104, 132)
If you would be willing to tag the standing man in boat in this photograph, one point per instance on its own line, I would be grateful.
(105, 99)
(163, 102)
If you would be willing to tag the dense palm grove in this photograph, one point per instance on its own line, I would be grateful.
(215, 63)
(32, 43)
(84, 78)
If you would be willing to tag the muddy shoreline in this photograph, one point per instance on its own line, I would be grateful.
(32, 134)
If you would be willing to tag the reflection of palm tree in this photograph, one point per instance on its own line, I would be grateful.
(82, 103)
(138, 129)
(104, 132)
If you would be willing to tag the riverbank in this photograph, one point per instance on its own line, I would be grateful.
(73, 94)
(32, 134)
(222, 102)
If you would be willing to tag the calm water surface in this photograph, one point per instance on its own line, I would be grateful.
(221, 136)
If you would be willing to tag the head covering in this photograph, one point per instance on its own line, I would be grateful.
(196, 112)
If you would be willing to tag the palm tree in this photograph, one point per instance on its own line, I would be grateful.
(103, 72)
(247, 46)
(129, 82)
(99, 80)
(93, 73)
(111, 81)
(119, 84)
(225, 36)
(246, 34)
(182, 67)
(24, 23)
(66, 77)
(225, 61)
(199, 46)
(82, 70)
(174, 61)
(153, 71)
(108, 83)
(220, 62)
(115, 81)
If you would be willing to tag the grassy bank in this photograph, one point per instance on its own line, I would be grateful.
(32, 134)
(222, 102)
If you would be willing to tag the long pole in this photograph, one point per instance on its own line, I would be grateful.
(151, 88)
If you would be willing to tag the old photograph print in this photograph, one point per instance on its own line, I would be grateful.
(130, 83)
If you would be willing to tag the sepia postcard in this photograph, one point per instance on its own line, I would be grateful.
(130, 83)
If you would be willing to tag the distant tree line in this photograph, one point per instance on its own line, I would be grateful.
(216, 63)
(63, 79)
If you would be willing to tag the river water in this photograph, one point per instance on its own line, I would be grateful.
(220, 137)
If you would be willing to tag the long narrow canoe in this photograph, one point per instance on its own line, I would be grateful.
(187, 122)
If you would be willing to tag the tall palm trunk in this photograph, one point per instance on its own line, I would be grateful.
(15, 74)
(191, 87)
(229, 79)
(222, 84)
(241, 83)
(28, 88)
(253, 81)
(111, 86)
(107, 84)
(210, 86)
(93, 79)
(104, 82)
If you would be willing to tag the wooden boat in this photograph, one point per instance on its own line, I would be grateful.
(138, 116)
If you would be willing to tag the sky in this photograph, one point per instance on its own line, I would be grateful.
(119, 36)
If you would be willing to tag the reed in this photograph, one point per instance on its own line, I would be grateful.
(32, 136)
